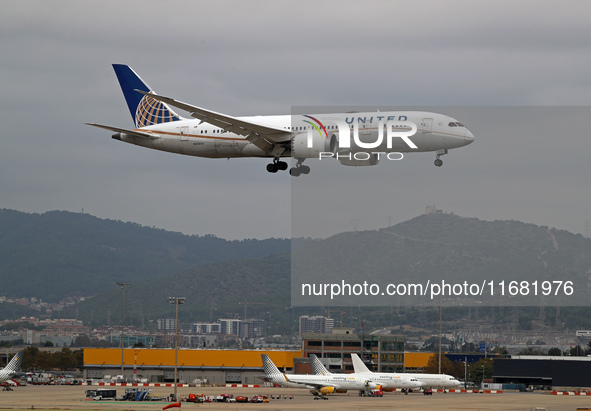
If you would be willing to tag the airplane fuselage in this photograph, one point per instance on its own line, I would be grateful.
(437, 380)
(339, 382)
(197, 138)
(392, 381)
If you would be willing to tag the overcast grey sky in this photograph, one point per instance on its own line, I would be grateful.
(263, 57)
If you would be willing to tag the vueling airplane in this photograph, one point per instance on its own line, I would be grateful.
(12, 368)
(428, 380)
(376, 135)
(319, 385)
(388, 381)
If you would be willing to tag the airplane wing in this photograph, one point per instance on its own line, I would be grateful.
(312, 384)
(319, 386)
(260, 135)
(135, 133)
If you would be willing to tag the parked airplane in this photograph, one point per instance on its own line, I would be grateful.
(319, 385)
(428, 380)
(375, 135)
(12, 368)
(388, 381)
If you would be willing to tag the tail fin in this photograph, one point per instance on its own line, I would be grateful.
(270, 368)
(358, 365)
(144, 110)
(15, 363)
(318, 367)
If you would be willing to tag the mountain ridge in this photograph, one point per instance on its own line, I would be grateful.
(48, 256)
(59, 253)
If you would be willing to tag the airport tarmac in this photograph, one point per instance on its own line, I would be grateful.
(71, 398)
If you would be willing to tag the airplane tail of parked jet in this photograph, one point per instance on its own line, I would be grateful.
(358, 365)
(12, 368)
(318, 367)
(271, 370)
(145, 110)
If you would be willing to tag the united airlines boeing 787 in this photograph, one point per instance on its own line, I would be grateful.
(374, 135)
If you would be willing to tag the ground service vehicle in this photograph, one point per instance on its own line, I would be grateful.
(101, 394)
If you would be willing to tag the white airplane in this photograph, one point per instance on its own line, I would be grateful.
(388, 381)
(376, 135)
(428, 380)
(12, 368)
(319, 385)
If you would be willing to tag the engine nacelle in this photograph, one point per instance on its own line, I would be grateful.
(301, 147)
(327, 390)
(358, 159)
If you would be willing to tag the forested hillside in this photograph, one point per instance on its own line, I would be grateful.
(57, 254)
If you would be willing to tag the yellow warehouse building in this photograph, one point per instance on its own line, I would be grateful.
(211, 366)
(157, 365)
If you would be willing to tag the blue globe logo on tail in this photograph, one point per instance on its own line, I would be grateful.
(151, 111)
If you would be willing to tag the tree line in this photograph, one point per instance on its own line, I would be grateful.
(35, 360)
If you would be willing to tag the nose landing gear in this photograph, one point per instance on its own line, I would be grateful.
(438, 161)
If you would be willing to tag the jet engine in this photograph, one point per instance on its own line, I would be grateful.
(301, 147)
(327, 390)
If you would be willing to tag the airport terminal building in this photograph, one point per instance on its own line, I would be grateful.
(383, 353)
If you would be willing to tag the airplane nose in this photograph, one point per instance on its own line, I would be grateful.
(468, 137)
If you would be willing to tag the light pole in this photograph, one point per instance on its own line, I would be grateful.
(465, 373)
(482, 375)
(176, 301)
(122, 285)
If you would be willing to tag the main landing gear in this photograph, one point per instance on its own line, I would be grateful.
(318, 395)
(276, 165)
(299, 169)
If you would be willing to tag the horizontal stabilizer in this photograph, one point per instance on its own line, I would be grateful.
(135, 133)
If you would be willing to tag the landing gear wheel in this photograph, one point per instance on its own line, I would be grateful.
(281, 165)
(305, 169)
(272, 168)
(438, 162)
(295, 171)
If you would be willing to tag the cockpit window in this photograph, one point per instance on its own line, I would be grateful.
(460, 125)
(455, 124)
(452, 124)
